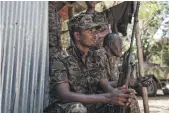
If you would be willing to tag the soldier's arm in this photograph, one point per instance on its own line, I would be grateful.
(105, 85)
(66, 95)
(59, 82)
(118, 97)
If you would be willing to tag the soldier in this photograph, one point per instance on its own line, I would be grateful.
(98, 17)
(113, 46)
(75, 77)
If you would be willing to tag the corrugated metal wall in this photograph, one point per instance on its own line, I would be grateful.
(24, 58)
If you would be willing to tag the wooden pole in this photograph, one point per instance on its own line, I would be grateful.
(140, 64)
(70, 11)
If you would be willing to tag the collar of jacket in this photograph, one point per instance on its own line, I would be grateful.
(75, 51)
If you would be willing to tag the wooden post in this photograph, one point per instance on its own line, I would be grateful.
(70, 11)
(141, 67)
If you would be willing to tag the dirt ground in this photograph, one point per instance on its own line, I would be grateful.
(158, 104)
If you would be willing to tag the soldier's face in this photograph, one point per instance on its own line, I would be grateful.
(116, 47)
(87, 37)
(101, 33)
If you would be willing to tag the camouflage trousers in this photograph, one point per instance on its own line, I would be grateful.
(134, 109)
(80, 108)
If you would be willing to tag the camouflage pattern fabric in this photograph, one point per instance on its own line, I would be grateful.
(68, 108)
(54, 26)
(83, 74)
(84, 21)
(100, 17)
(54, 29)
(56, 61)
(80, 71)
(80, 108)
(113, 75)
(112, 68)
(93, 108)
(134, 109)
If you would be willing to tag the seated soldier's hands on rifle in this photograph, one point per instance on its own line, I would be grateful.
(121, 96)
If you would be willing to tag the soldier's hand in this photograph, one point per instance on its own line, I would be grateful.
(120, 97)
(131, 102)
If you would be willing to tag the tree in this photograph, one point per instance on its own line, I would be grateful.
(150, 20)
(160, 52)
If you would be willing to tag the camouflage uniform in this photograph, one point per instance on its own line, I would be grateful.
(83, 77)
(113, 75)
(54, 33)
(112, 68)
(83, 74)
(54, 29)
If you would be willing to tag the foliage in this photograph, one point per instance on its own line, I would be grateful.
(150, 19)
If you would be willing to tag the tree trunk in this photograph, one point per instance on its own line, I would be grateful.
(141, 67)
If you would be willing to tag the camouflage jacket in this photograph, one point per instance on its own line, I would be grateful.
(83, 73)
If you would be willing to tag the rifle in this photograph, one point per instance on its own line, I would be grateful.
(126, 66)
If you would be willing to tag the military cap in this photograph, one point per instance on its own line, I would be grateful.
(100, 17)
(84, 21)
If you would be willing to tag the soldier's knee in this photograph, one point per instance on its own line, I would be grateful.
(76, 108)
